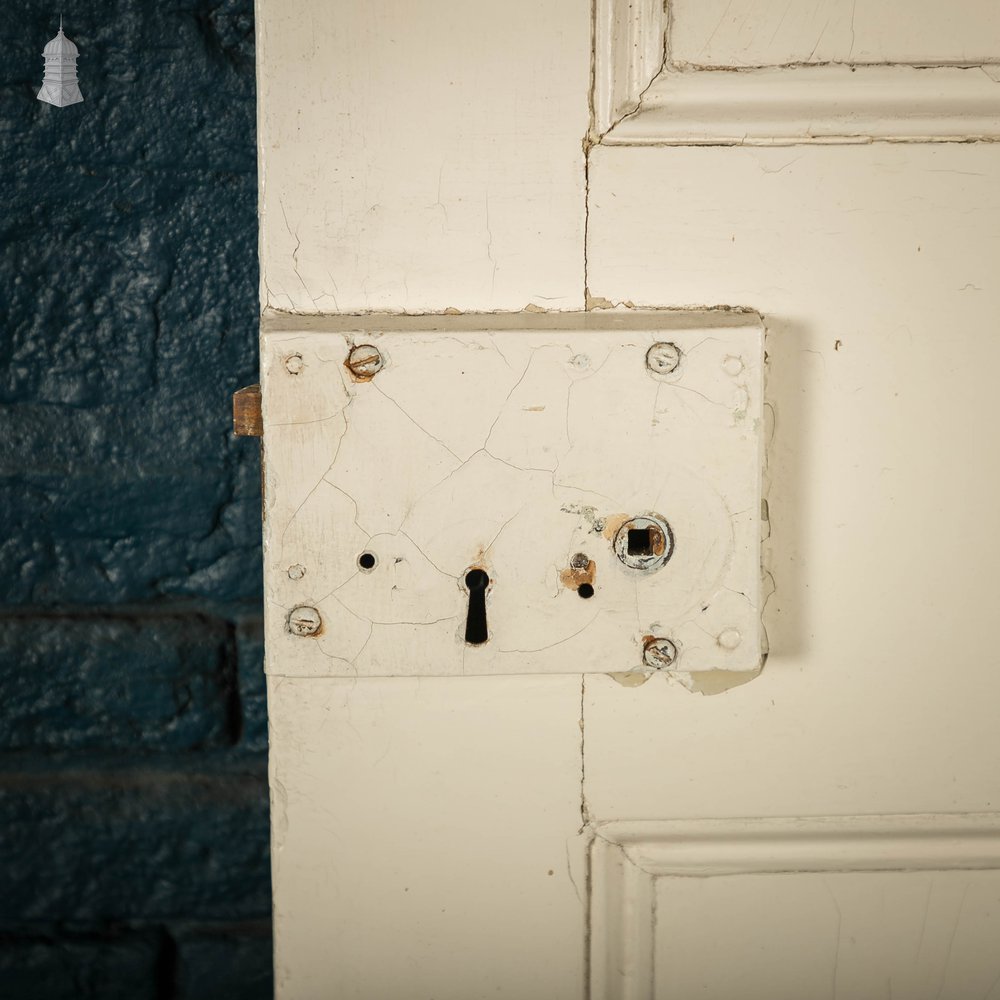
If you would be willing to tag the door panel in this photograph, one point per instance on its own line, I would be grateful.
(752, 33)
(876, 268)
(845, 906)
(921, 935)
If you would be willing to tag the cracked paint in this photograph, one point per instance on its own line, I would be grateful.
(517, 451)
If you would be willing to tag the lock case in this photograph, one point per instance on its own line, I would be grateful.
(587, 483)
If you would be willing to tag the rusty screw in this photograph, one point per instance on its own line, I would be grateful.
(580, 561)
(304, 621)
(659, 653)
(663, 358)
(364, 362)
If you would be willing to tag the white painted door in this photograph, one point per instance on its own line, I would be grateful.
(830, 826)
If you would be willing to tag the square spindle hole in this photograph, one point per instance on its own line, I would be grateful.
(640, 542)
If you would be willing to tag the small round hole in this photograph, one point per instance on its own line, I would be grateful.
(585, 590)
(367, 560)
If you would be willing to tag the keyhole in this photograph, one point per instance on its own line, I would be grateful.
(475, 624)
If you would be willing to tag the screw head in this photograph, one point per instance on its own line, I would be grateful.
(580, 561)
(659, 653)
(729, 638)
(304, 621)
(296, 571)
(294, 364)
(364, 362)
(663, 358)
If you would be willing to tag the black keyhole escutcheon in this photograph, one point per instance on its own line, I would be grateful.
(475, 624)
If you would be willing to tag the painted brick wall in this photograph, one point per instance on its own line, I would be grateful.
(133, 790)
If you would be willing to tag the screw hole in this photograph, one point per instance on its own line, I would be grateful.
(585, 590)
(367, 560)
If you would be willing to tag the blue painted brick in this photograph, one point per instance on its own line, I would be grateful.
(83, 539)
(57, 964)
(131, 845)
(130, 684)
(130, 310)
(218, 962)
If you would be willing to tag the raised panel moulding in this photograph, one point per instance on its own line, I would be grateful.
(629, 49)
(628, 856)
(815, 104)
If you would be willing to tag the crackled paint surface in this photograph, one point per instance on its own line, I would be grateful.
(418, 156)
(431, 833)
(513, 451)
